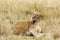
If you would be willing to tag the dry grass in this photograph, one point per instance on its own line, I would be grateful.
(12, 11)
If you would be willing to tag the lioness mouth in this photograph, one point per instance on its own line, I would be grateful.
(33, 21)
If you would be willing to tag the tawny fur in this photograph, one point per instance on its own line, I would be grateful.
(21, 27)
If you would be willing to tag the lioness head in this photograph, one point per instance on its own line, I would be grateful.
(36, 16)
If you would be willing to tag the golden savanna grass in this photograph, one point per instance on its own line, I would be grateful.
(13, 11)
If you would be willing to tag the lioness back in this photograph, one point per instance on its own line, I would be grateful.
(21, 27)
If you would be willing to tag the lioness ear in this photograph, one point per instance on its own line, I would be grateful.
(34, 13)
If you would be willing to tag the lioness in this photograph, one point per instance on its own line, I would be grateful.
(31, 28)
